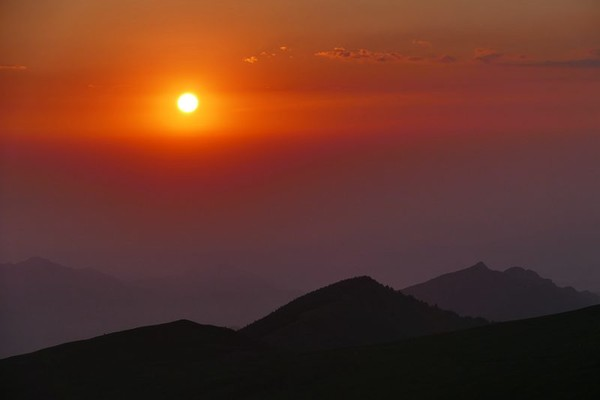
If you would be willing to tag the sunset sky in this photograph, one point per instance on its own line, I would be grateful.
(399, 139)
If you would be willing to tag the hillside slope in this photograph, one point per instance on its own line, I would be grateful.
(553, 357)
(352, 312)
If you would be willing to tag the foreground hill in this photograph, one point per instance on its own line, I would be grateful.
(136, 361)
(553, 357)
(500, 296)
(352, 312)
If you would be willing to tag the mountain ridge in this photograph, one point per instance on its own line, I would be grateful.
(351, 312)
(180, 360)
(500, 295)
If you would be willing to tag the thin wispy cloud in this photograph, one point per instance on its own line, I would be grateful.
(364, 55)
(265, 55)
(447, 59)
(251, 59)
(586, 59)
(589, 59)
(575, 63)
(12, 67)
(340, 53)
(487, 56)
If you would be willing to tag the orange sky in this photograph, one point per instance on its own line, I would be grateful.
(118, 65)
(294, 95)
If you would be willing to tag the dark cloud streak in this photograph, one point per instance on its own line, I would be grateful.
(492, 57)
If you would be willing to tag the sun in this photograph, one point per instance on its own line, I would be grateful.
(187, 102)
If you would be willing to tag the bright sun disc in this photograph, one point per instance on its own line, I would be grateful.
(187, 102)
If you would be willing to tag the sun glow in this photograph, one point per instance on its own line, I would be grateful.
(187, 102)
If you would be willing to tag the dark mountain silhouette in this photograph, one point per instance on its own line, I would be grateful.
(118, 361)
(43, 303)
(553, 357)
(356, 311)
(500, 296)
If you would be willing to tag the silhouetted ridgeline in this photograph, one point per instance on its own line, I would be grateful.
(352, 312)
(500, 296)
(43, 304)
(554, 357)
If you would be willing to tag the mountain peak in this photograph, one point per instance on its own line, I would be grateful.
(359, 285)
(358, 281)
(39, 264)
(513, 294)
(352, 312)
(480, 266)
(35, 260)
(361, 278)
(183, 323)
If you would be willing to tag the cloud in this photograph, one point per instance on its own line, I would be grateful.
(13, 67)
(487, 56)
(421, 43)
(581, 59)
(340, 53)
(495, 57)
(265, 54)
(251, 59)
(589, 59)
(364, 55)
(447, 59)
(574, 63)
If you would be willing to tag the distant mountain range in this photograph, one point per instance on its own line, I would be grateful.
(553, 357)
(43, 303)
(500, 296)
(219, 295)
(357, 311)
